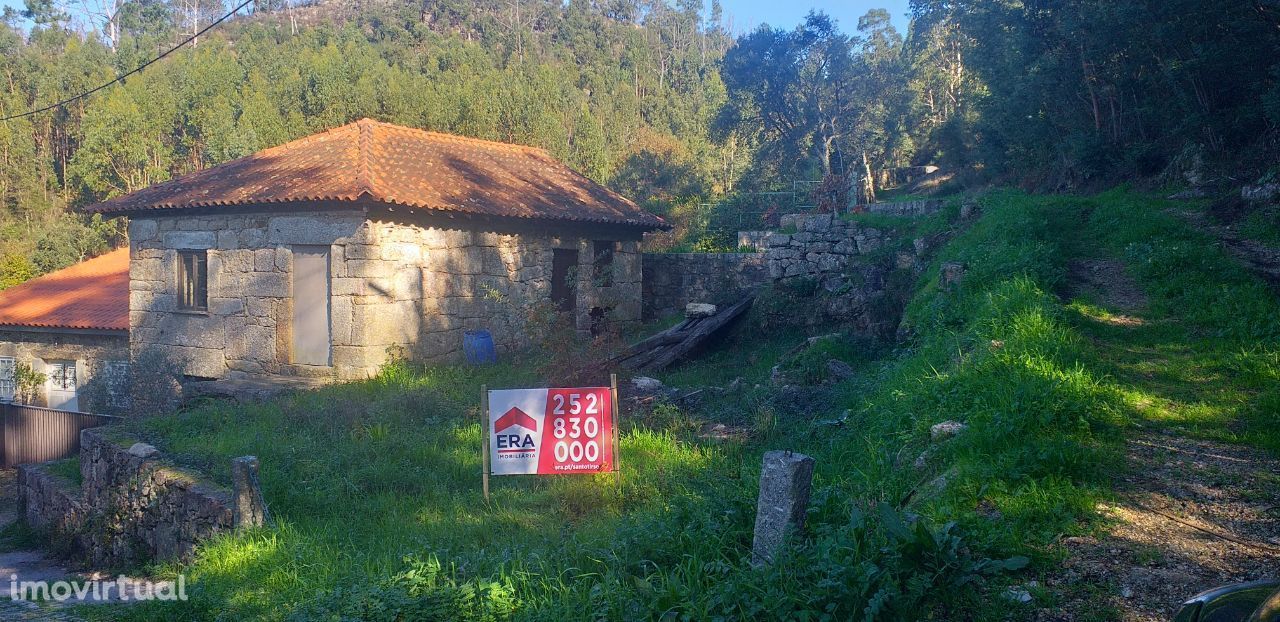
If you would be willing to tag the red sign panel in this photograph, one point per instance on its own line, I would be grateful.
(551, 431)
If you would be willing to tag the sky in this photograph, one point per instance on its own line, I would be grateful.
(785, 14)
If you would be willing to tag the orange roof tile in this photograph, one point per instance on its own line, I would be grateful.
(397, 165)
(92, 294)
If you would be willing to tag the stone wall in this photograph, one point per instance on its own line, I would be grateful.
(849, 269)
(89, 349)
(132, 506)
(822, 248)
(394, 287)
(48, 501)
(672, 280)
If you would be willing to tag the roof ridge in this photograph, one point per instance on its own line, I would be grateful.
(364, 174)
(506, 146)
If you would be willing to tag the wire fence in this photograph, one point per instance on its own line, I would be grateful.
(749, 211)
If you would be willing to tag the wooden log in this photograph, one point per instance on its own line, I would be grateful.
(695, 336)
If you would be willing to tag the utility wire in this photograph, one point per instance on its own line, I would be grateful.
(121, 77)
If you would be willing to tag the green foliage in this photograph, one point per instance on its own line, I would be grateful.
(27, 382)
(1081, 92)
(76, 239)
(15, 269)
(68, 469)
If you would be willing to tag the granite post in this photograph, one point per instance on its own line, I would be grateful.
(249, 510)
(785, 482)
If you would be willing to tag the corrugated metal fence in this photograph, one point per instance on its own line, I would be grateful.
(34, 434)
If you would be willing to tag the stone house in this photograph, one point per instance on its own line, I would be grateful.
(325, 256)
(71, 325)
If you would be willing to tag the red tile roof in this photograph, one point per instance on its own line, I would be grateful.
(397, 165)
(92, 294)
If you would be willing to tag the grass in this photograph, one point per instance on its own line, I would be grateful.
(68, 469)
(1263, 225)
(375, 485)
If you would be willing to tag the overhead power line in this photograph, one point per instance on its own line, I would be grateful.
(121, 77)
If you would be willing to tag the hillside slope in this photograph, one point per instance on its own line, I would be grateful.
(1102, 353)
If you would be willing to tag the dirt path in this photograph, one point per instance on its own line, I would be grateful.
(29, 565)
(1190, 515)
(1256, 256)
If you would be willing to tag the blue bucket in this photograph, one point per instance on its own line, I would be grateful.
(477, 347)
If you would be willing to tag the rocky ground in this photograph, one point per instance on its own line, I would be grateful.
(1224, 224)
(1191, 515)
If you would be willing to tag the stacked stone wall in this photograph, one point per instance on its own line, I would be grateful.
(130, 507)
(672, 280)
(850, 271)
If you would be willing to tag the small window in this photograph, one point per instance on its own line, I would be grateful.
(193, 280)
(8, 379)
(115, 377)
(602, 253)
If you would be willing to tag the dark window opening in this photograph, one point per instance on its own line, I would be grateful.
(602, 252)
(564, 274)
(599, 320)
(193, 280)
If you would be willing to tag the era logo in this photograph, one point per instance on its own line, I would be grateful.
(515, 442)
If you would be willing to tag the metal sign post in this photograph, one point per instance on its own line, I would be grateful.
(484, 440)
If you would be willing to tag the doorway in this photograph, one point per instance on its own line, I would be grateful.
(564, 277)
(311, 337)
(62, 385)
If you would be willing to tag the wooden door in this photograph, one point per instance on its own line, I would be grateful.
(311, 336)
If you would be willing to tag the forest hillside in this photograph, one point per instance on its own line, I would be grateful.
(663, 101)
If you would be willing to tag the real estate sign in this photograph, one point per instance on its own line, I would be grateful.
(551, 431)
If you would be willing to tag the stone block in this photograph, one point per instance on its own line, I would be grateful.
(190, 240)
(341, 320)
(325, 228)
(267, 285)
(143, 230)
(249, 509)
(264, 260)
(252, 238)
(226, 306)
(402, 251)
(228, 239)
(347, 286)
(868, 245)
(785, 483)
(362, 251)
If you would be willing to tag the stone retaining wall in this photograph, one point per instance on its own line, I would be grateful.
(131, 506)
(48, 501)
(822, 248)
(672, 280)
(850, 269)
